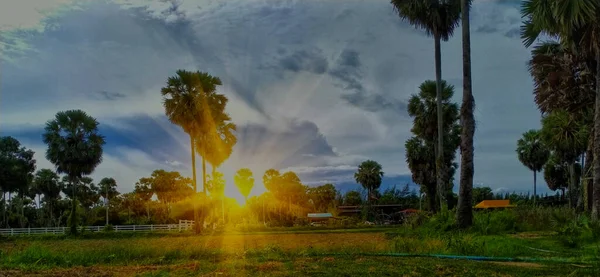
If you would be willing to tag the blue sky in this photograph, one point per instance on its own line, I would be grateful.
(315, 86)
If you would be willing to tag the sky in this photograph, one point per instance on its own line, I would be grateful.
(314, 86)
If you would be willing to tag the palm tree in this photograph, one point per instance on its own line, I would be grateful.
(108, 190)
(369, 175)
(577, 24)
(214, 137)
(566, 136)
(181, 99)
(421, 149)
(533, 154)
(244, 182)
(557, 173)
(74, 147)
(439, 18)
(464, 211)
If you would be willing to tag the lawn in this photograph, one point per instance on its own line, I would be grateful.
(331, 253)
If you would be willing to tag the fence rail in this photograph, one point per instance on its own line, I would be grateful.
(183, 225)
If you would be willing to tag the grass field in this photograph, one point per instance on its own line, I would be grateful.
(321, 253)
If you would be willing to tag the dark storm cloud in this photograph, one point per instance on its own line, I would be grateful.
(301, 143)
(154, 136)
(349, 76)
(305, 60)
(513, 33)
(110, 95)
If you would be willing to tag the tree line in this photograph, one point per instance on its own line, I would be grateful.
(47, 198)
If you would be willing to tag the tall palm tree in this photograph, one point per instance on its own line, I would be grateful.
(75, 148)
(182, 102)
(369, 175)
(439, 18)
(214, 124)
(464, 211)
(244, 182)
(108, 190)
(533, 154)
(577, 24)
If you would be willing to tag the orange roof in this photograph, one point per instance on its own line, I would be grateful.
(486, 204)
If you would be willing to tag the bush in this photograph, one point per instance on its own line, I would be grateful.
(495, 222)
(108, 228)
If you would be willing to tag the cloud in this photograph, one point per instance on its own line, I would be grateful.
(305, 60)
(312, 84)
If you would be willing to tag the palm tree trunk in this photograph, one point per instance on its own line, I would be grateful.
(572, 193)
(106, 208)
(534, 187)
(464, 212)
(193, 163)
(440, 129)
(588, 180)
(73, 215)
(596, 156)
(204, 175)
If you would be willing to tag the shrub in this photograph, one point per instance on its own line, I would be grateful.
(108, 228)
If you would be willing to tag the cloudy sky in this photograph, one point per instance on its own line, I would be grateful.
(315, 86)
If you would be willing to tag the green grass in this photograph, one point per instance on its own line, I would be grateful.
(323, 253)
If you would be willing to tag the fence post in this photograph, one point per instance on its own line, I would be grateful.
(11, 231)
(151, 227)
(133, 227)
(29, 230)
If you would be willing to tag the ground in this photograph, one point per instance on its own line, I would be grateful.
(314, 253)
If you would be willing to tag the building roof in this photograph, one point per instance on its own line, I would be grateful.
(491, 204)
(320, 215)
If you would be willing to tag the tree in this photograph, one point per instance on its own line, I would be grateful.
(216, 187)
(74, 147)
(566, 136)
(533, 154)
(438, 18)
(182, 103)
(322, 196)
(271, 180)
(244, 181)
(577, 24)
(352, 198)
(464, 211)
(16, 169)
(215, 138)
(482, 193)
(421, 148)
(369, 175)
(557, 174)
(143, 190)
(48, 182)
(108, 190)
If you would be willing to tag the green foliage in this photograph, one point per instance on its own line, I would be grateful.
(531, 152)
(244, 181)
(437, 18)
(108, 228)
(421, 149)
(352, 198)
(369, 175)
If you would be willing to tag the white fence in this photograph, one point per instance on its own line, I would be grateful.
(182, 226)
